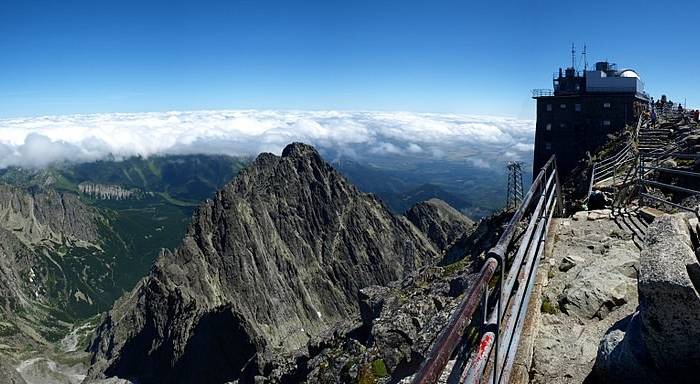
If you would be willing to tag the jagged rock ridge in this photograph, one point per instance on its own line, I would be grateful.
(276, 258)
(439, 221)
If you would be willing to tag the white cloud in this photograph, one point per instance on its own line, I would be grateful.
(385, 149)
(40, 141)
(524, 147)
(414, 148)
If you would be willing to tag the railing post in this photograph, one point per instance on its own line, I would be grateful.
(485, 304)
(640, 179)
(560, 198)
(499, 312)
(590, 185)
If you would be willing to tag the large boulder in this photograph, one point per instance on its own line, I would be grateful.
(663, 335)
(602, 283)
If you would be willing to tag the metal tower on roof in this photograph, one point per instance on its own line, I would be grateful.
(515, 185)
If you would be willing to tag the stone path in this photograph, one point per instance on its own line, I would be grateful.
(590, 284)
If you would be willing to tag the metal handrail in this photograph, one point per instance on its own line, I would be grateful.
(609, 166)
(670, 186)
(680, 155)
(528, 245)
(612, 168)
(678, 206)
(447, 342)
(626, 183)
(615, 157)
(545, 190)
(676, 171)
(645, 172)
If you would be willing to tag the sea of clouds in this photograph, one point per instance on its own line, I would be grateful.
(481, 140)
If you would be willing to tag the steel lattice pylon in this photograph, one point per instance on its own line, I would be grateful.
(515, 185)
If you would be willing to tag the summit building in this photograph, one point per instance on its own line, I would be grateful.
(582, 108)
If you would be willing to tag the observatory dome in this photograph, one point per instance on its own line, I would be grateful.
(629, 73)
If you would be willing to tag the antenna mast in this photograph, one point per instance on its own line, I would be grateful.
(585, 59)
(515, 185)
(573, 56)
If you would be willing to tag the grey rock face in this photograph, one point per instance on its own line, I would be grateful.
(29, 218)
(16, 262)
(109, 191)
(410, 320)
(276, 258)
(9, 375)
(663, 335)
(478, 240)
(440, 222)
(402, 321)
(46, 215)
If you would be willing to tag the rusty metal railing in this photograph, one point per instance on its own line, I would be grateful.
(502, 322)
(609, 167)
(651, 167)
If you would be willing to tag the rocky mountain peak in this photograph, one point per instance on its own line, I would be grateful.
(277, 258)
(301, 150)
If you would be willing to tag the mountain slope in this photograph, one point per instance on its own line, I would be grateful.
(186, 178)
(76, 237)
(439, 221)
(96, 228)
(43, 215)
(43, 281)
(275, 259)
(402, 184)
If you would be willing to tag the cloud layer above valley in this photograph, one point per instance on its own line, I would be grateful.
(480, 140)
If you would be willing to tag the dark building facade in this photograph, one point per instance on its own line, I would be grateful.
(576, 116)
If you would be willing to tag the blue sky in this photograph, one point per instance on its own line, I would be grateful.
(66, 57)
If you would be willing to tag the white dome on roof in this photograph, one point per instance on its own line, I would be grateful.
(629, 73)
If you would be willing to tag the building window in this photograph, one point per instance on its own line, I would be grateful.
(577, 107)
(549, 107)
(606, 123)
(563, 106)
(606, 105)
(548, 127)
(547, 146)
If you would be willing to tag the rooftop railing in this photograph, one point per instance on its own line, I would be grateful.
(542, 92)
